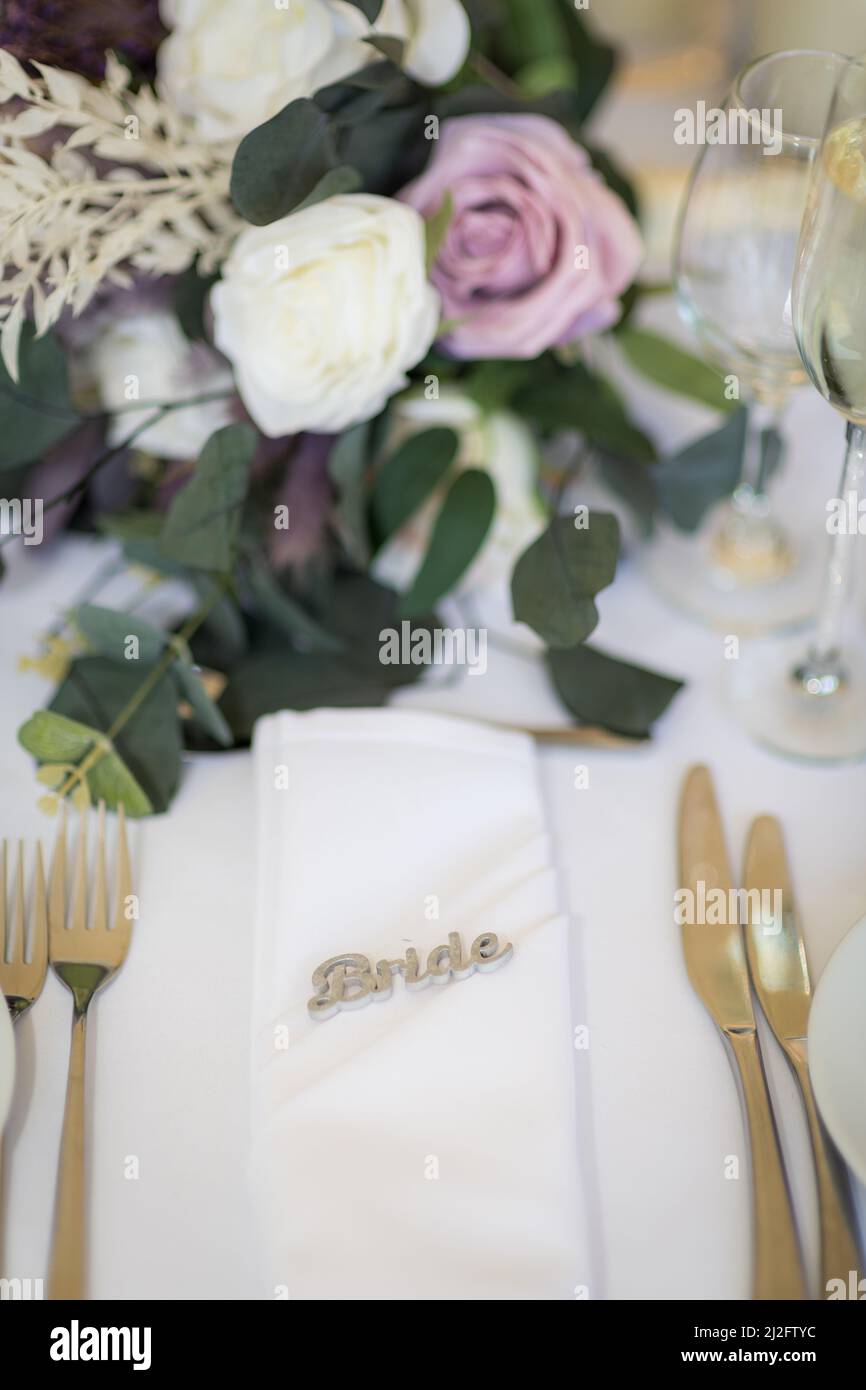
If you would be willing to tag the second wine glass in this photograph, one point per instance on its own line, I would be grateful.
(812, 703)
(744, 571)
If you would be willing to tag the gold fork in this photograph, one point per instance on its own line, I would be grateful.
(85, 956)
(21, 979)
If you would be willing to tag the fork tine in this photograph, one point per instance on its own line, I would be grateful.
(99, 902)
(79, 891)
(16, 955)
(122, 923)
(57, 889)
(39, 935)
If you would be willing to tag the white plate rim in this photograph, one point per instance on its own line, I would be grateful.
(822, 1051)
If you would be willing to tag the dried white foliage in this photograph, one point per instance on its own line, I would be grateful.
(66, 225)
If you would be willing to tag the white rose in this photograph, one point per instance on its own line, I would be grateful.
(498, 442)
(436, 34)
(232, 64)
(323, 312)
(148, 351)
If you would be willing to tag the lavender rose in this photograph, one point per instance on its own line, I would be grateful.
(538, 248)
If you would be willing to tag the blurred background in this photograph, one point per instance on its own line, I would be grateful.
(675, 52)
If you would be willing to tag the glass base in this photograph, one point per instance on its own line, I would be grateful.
(778, 697)
(705, 576)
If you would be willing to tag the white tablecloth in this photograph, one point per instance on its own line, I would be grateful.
(169, 1052)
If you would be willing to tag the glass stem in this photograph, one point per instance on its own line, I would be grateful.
(824, 672)
(750, 496)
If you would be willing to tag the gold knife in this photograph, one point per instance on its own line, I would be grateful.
(780, 975)
(716, 962)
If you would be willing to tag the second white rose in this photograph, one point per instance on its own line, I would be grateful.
(324, 312)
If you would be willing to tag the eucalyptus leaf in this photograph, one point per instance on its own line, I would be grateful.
(459, 532)
(667, 365)
(389, 148)
(109, 631)
(190, 301)
(408, 478)
(149, 746)
(221, 640)
(280, 163)
(140, 536)
(285, 613)
(692, 481)
(343, 179)
(574, 398)
(273, 676)
(356, 98)
(594, 59)
(616, 695)
(556, 579)
(111, 781)
(35, 411)
(369, 8)
(52, 738)
(204, 710)
(202, 526)
(348, 462)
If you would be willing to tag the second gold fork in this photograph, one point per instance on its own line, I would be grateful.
(85, 955)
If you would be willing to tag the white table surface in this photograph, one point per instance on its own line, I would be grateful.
(169, 1046)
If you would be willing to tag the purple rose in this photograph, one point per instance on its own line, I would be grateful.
(538, 249)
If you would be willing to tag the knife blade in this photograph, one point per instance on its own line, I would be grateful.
(780, 975)
(709, 916)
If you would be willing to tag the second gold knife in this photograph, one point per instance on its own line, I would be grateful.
(780, 975)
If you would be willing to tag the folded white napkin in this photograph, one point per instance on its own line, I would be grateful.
(425, 1146)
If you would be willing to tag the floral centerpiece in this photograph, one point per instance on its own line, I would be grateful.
(301, 303)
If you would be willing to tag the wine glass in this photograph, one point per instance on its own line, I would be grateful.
(733, 265)
(815, 707)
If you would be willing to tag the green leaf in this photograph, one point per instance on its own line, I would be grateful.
(694, 480)
(109, 630)
(202, 526)
(357, 98)
(573, 398)
(35, 411)
(50, 736)
(369, 8)
(458, 534)
(600, 690)
(272, 676)
(634, 484)
(493, 384)
(278, 608)
(348, 462)
(594, 59)
(140, 535)
(556, 579)
(389, 148)
(149, 747)
(221, 640)
(343, 179)
(280, 163)
(408, 478)
(190, 300)
(111, 781)
(669, 366)
(204, 710)
(436, 228)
